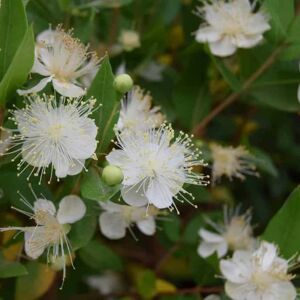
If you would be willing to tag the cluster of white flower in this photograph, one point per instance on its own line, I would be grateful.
(255, 270)
(59, 133)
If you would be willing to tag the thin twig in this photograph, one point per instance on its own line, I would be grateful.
(198, 130)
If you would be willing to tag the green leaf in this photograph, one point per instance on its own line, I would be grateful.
(293, 39)
(172, 228)
(106, 117)
(19, 67)
(93, 187)
(281, 97)
(264, 162)
(234, 82)
(281, 17)
(11, 269)
(83, 231)
(284, 228)
(106, 3)
(100, 257)
(13, 25)
(146, 284)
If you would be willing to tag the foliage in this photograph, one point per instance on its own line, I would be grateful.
(257, 92)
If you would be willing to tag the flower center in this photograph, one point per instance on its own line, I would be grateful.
(55, 131)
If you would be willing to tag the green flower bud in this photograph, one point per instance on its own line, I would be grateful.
(67, 228)
(112, 175)
(123, 83)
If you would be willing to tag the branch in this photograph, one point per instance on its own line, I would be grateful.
(198, 130)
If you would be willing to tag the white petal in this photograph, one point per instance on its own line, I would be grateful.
(35, 243)
(223, 47)
(206, 249)
(75, 167)
(61, 165)
(210, 236)
(298, 93)
(133, 197)
(112, 225)
(237, 270)
(111, 206)
(44, 205)
(71, 209)
(147, 226)
(41, 85)
(248, 41)
(116, 157)
(283, 290)
(245, 291)
(68, 89)
(159, 195)
(207, 34)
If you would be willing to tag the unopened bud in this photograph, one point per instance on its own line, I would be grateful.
(123, 83)
(112, 175)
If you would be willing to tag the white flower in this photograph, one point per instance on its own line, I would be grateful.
(50, 233)
(234, 234)
(230, 25)
(129, 40)
(261, 274)
(136, 112)
(5, 135)
(107, 283)
(156, 165)
(64, 61)
(116, 218)
(231, 162)
(54, 132)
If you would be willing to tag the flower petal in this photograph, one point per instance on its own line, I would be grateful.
(133, 196)
(238, 269)
(147, 226)
(35, 242)
(41, 85)
(75, 167)
(71, 209)
(248, 41)
(112, 225)
(210, 236)
(159, 195)
(44, 205)
(207, 34)
(223, 47)
(68, 89)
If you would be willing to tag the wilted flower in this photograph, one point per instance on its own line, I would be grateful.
(261, 274)
(234, 234)
(64, 61)
(116, 218)
(136, 112)
(156, 165)
(57, 132)
(230, 25)
(129, 40)
(50, 233)
(231, 162)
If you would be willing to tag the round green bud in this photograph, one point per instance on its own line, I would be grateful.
(112, 175)
(123, 83)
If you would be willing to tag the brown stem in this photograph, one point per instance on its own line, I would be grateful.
(198, 130)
